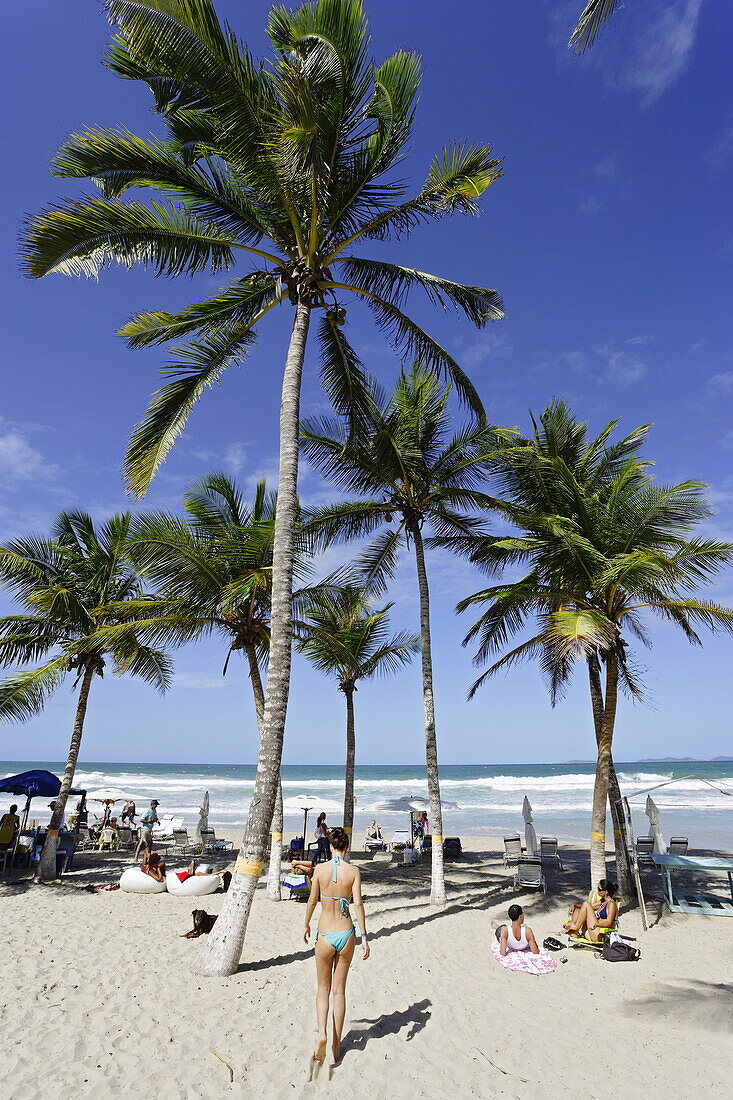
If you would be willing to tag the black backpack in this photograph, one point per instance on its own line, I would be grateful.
(620, 952)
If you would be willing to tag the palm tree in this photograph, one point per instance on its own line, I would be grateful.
(408, 472)
(600, 544)
(285, 165)
(344, 637)
(69, 584)
(211, 573)
(593, 19)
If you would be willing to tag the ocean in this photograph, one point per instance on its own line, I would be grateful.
(488, 798)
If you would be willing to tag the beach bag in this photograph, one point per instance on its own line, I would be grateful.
(619, 951)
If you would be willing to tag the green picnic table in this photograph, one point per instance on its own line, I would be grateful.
(710, 904)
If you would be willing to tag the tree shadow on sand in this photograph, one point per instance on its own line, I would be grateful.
(707, 1006)
(415, 1018)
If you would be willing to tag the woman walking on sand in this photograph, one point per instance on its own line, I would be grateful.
(336, 884)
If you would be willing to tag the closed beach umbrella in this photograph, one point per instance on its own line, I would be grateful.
(652, 812)
(203, 822)
(530, 836)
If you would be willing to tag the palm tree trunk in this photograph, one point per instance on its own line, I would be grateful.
(47, 864)
(623, 866)
(600, 790)
(437, 877)
(221, 953)
(274, 891)
(350, 762)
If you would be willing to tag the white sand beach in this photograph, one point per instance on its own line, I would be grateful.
(98, 997)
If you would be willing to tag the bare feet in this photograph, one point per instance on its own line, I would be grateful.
(335, 1052)
(319, 1055)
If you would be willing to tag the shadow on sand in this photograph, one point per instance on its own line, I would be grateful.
(415, 1018)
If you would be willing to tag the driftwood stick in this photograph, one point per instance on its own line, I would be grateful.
(223, 1060)
(504, 1071)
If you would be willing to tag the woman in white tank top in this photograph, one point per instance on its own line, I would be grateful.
(515, 936)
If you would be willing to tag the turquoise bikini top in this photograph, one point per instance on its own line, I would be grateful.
(343, 902)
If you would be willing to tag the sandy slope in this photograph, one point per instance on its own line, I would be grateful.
(97, 998)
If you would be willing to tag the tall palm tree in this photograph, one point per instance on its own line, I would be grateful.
(600, 544)
(69, 584)
(286, 166)
(211, 573)
(408, 472)
(343, 636)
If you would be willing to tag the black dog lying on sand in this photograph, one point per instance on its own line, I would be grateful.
(203, 922)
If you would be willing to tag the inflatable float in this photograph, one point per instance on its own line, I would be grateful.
(195, 886)
(135, 881)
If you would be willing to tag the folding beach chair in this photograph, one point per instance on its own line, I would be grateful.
(677, 846)
(512, 849)
(549, 852)
(529, 874)
(181, 844)
(209, 843)
(644, 849)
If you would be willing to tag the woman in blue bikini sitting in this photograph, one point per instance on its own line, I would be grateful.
(600, 912)
(336, 884)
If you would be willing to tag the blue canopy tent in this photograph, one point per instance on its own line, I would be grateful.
(33, 784)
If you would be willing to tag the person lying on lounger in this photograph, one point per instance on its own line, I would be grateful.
(303, 867)
(589, 918)
(515, 936)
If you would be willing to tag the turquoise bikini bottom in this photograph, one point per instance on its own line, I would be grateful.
(338, 940)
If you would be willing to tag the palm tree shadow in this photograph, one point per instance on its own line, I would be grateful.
(415, 1018)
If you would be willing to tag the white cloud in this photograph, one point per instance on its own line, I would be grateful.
(721, 151)
(591, 205)
(645, 50)
(198, 680)
(489, 345)
(624, 369)
(606, 167)
(21, 463)
(661, 51)
(721, 383)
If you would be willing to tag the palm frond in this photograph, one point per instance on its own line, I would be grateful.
(24, 694)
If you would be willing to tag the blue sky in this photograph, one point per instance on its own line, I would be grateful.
(609, 238)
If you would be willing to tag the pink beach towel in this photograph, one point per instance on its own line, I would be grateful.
(524, 960)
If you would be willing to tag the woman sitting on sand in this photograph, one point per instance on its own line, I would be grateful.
(153, 865)
(590, 917)
(516, 936)
(335, 885)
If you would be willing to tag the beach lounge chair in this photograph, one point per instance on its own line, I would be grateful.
(512, 849)
(400, 841)
(182, 846)
(209, 842)
(549, 852)
(644, 849)
(677, 846)
(529, 874)
(452, 848)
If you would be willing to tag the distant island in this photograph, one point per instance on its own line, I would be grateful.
(667, 760)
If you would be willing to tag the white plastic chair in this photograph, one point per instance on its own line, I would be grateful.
(512, 849)
(529, 874)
